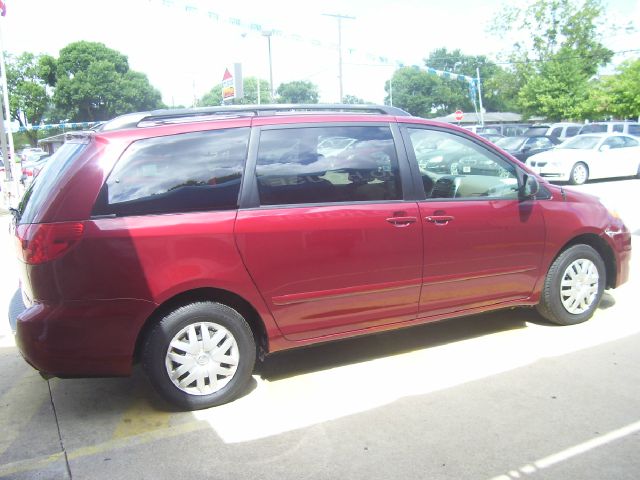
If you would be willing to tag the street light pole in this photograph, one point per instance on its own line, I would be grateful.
(268, 33)
(339, 18)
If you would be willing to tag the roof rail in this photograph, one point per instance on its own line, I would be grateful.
(159, 117)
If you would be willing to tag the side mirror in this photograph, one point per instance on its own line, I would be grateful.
(530, 186)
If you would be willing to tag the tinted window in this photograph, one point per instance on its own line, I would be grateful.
(618, 127)
(327, 164)
(556, 132)
(539, 142)
(634, 129)
(452, 166)
(40, 191)
(614, 142)
(177, 173)
(572, 131)
(594, 128)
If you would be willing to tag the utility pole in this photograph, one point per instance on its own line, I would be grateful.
(480, 97)
(339, 18)
(268, 33)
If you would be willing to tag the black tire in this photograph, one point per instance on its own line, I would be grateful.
(156, 349)
(551, 305)
(576, 178)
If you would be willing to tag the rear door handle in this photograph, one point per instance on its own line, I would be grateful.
(440, 219)
(402, 221)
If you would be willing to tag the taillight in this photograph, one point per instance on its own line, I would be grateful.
(42, 242)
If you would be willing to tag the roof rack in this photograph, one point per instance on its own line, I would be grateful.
(169, 116)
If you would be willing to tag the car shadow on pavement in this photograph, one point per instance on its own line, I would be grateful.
(397, 342)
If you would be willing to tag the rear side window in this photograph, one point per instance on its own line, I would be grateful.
(572, 131)
(177, 173)
(618, 127)
(44, 185)
(556, 132)
(634, 130)
(326, 165)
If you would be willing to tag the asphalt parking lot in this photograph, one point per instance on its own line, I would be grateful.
(494, 396)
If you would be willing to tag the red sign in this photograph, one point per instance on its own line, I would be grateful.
(459, 115)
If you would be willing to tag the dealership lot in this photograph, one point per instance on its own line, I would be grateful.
(500, 395)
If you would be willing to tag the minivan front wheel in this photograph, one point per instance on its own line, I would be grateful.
(573, 286)
(200, 355)
(579, 174)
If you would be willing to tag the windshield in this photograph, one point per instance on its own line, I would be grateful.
(510, 143)
(54, 169)
(581, 142)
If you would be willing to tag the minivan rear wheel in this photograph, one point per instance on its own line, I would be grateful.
(200, 355)
(573, 286)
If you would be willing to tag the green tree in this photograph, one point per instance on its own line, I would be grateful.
(352, 100)
(29, 96)
(497, 91)
(415, 91)
(250, 86)
(428, 95)
(557, 51)
(298, 91)
(624, 90)
(93, 82)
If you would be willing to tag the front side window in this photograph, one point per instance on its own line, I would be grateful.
(327, 165)
(618, 128)
(452, 166)
(634, 130)
(177, 173)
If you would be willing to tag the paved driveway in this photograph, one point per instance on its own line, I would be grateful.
(499, 395)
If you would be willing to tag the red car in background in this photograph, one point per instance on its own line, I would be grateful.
(197, 240)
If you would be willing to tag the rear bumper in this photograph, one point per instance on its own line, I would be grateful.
(81, 338)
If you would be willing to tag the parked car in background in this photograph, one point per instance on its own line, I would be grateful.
(630, 128)
(563, 130)
(524, 147)
(32, 167)
(584, 157)
(536, 130)
(492, 137)
(198, 240)
(505, 129)
(25, 152)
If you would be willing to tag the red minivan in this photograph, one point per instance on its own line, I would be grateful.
(195, 240)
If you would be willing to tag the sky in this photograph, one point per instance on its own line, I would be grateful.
(184, 46)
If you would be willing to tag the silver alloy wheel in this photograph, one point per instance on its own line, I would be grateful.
(580, 174)
(579, 286)
(202, 358)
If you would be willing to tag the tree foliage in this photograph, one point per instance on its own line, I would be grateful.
(250, 87)
(623, 90)
(427, 95)
(93, 82)
(29, 99)
(557, 51)
(352, 100)
(298, 91)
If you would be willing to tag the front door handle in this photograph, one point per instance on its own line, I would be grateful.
(402, 221)
(440, 219)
